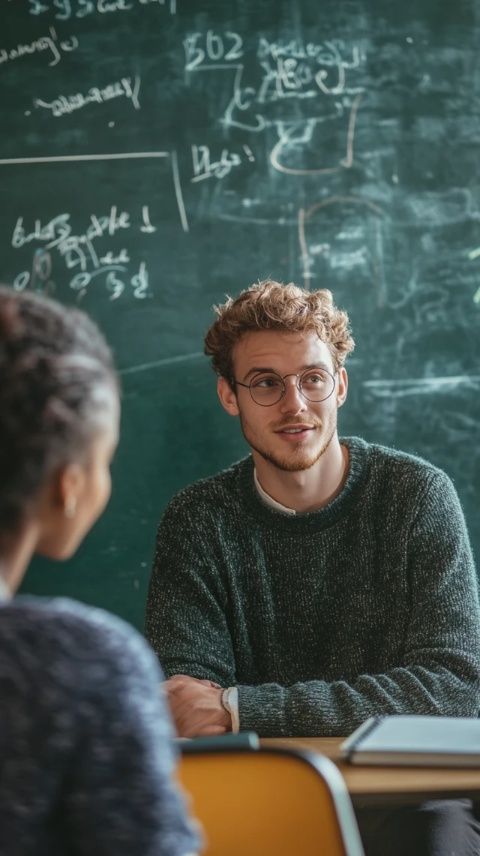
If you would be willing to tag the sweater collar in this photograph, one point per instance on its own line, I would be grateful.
(282, 518)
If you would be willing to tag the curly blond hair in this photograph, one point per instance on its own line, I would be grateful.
(271, 305)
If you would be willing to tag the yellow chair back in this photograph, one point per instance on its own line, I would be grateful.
(283, 802)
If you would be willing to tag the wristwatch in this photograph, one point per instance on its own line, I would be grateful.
(229, 700)
(225, 699)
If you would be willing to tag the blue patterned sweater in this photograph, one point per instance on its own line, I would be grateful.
(86, 756)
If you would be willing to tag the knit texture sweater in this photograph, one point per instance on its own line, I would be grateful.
(367, 606)
(86, 753)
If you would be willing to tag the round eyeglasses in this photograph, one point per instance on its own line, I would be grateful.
(268, 388)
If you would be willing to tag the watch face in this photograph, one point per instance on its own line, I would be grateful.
(226, 700)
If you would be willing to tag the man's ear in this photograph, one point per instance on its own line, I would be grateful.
(228, 398)
(342, 386)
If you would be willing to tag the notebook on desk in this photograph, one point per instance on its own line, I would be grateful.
(436, 741)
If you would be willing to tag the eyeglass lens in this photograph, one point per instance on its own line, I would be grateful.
(268, 388)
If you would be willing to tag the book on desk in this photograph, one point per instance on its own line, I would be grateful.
(436, 741)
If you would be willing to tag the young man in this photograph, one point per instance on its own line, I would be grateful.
(319, 581)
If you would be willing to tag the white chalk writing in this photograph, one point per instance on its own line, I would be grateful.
(212, 48)
(355, 245)
(119, 156)
(206, 167)
(65, 104)
(286, 72)
(67, 9)
(81, 254)
(44, 43)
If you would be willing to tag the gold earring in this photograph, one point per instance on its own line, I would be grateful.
(70, 508)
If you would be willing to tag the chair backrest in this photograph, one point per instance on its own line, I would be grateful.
(278, 801)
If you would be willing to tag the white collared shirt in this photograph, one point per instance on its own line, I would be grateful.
(5, 593)
(269, 500)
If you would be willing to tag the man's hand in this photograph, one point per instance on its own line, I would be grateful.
(196, 706)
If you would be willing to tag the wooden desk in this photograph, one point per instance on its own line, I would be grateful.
(369, 786)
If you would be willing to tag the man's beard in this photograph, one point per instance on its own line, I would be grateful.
(297, 460)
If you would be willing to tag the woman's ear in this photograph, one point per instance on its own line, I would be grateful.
(227, 396)
(60, 512)
(67, 488)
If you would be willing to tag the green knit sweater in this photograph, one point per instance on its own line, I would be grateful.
(367, 606)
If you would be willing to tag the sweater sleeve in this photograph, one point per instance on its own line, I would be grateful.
(121, 796)
(187, 604)
(439, 671)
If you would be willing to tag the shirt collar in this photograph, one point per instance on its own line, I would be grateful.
(269, 500)
(5, 593)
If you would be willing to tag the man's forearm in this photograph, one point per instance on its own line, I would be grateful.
(336, 708)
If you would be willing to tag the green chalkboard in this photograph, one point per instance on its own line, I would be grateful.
(158, 154)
